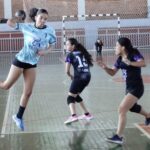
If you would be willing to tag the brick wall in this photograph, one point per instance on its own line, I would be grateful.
(57, 8)
(127, 8)
(1, 9)
(16, 5)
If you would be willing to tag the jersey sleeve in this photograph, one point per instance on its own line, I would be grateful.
(20, 26)
(69, 58)
(52, 36)
(138, 57)
(117, 63)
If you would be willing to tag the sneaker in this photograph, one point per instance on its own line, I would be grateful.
(19, 122)
(87, 117)
(147, 121)
(71, 119)
(115, 139)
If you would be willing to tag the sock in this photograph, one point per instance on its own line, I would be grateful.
(20, 112)
(87, 113)
(73, 115)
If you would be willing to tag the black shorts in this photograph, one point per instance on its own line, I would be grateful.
(136, 90)
(23, 65)
(79, 83)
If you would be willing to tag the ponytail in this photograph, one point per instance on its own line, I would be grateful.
(83, 50)
(85, 53)
(33, 13)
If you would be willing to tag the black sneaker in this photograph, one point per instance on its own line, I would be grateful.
(115, 139)
(147, 121)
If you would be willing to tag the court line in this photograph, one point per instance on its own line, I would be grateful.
(3, 130)
(56, 131)
(142, 130)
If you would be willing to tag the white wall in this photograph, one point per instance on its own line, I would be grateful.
(93, 24)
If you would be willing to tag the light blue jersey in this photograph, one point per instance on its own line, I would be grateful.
(35, 39)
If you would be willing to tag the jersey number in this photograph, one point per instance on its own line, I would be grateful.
(82, 63)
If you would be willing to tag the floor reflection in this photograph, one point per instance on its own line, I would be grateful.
(78, 137)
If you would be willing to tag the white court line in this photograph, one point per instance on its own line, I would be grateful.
(71, 130)
(3, 130)
(142, 130)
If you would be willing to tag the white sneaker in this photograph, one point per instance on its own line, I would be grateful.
(19, 122)
(71, 119)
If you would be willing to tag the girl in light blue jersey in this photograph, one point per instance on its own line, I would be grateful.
(37, 40)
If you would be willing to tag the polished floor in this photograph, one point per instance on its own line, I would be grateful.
(47, 110)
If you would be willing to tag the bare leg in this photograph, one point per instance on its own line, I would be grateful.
(144, 113)
(83, 107)
(72, 105)
(72, 108)
(12, 77)
(127, 103)
(29, 79)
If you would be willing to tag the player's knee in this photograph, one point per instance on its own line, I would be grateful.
(70, 99)
(28, 94)
(122, 110)
(136, 108)
(79, 99)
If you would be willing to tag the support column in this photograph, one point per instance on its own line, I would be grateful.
(7, 9)
(148, 8)
(81, 9)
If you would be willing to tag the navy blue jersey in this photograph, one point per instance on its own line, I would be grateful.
(131, 74)
(78, 62)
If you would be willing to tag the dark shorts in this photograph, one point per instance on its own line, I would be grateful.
(23, 65)
(79, 83)
(136, 90)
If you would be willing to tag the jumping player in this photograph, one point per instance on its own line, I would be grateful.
(130, 62)
(81, 61)
(37, 40)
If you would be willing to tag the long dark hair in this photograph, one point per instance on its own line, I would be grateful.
(130, 50)
(34, 11)
(82, 49)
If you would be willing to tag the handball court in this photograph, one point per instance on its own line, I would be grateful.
(47, 109)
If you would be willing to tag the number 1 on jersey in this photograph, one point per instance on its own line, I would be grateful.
(82, 63)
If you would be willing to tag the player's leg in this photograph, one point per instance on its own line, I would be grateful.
(13, 75)
(29, 79)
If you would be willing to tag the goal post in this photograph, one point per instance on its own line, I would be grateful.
(86, 31)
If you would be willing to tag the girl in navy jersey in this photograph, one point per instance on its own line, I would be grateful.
(130, 62)
(81, 61)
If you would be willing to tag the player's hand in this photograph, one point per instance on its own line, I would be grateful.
(101, 64)
(41, 53)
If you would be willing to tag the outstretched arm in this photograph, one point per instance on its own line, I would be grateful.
(12, 22)
(110, 71)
